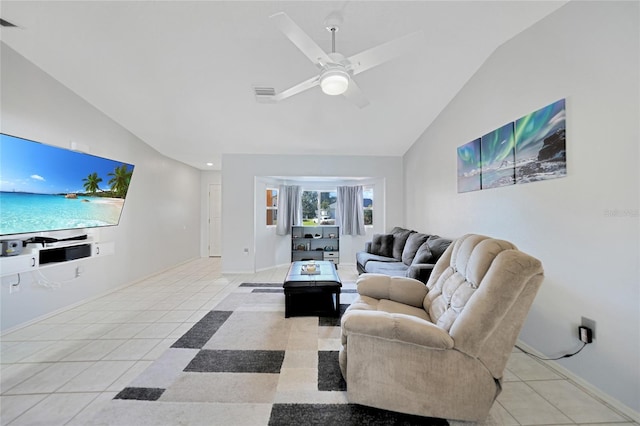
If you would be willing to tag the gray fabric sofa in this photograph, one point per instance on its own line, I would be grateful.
(439, 349)
(402, 253)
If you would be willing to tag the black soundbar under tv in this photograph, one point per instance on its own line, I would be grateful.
(64, 254)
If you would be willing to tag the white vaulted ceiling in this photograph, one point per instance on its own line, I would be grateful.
(179, 74)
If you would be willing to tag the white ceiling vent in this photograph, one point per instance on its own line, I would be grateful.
(264, 94)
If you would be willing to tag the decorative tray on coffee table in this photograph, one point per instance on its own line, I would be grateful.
(305, 270)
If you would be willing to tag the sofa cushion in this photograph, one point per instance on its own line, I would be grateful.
(400, 236)
(420, 271)
(395, 269)
(363, 257)
(437, 245)
(423, 255)
(414, 241)
(382, 245)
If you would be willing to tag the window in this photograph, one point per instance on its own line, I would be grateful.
(272, 206)
(368, 205)
(319, 207)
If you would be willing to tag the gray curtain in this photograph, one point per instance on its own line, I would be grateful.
(289, 208)
(350, 210)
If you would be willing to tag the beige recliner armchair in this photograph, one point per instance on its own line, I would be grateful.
(439, 350)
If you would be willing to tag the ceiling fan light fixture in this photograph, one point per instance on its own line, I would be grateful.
(334, 82)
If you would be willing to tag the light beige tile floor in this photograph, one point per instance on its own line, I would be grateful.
(66, 368)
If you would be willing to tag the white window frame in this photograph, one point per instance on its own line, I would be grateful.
(370, 188)
(319, 191)
(272, 207)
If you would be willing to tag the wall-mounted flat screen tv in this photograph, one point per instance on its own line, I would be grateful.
(45, 188)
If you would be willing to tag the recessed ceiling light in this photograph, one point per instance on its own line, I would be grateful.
(209, 164)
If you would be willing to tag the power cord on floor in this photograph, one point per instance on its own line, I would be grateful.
(553, 359)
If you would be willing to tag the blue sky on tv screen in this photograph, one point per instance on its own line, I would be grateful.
(27, 166)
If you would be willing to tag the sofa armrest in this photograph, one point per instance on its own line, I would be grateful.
(420, 271)
(400, 327)
(399, 289)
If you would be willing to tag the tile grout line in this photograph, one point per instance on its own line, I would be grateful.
(577, 385)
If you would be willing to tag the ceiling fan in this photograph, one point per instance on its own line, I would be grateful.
(336, 71)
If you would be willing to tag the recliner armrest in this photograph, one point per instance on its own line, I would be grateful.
(399, 289)
(400, 327)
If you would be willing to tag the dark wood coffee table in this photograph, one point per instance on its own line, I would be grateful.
(308, 294)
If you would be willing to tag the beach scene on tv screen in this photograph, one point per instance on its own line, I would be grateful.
(46, 188)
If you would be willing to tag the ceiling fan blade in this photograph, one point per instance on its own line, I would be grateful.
(305, 85)
(354, 95)
(370, 58)
(300, 39)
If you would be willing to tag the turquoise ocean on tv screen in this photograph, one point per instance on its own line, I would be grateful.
(24, 213)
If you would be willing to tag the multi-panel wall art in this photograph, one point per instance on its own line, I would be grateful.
(540, 144)
(497, 157)
(530, 149)
(469, 167)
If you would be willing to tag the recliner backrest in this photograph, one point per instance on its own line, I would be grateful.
(480, 291)
(468, 262)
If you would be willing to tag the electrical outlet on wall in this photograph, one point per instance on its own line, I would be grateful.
(584, 334)
(590, 324)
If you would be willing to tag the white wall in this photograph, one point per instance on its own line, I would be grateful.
(588, 53)
(239, 205)
(159, 227)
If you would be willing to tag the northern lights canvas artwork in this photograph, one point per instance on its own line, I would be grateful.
(530, 149)
(469, 171)
(497, 157)
(541, 144)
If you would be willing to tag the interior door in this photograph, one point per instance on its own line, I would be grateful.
(215, 220)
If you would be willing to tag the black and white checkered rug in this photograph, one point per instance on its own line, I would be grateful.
(246, 352)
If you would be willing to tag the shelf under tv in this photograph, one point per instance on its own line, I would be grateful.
(35, 257)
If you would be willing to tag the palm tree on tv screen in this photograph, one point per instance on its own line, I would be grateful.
(91, 183)
(119, 181)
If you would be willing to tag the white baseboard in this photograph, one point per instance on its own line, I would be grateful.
(269, 268)
(586, 386)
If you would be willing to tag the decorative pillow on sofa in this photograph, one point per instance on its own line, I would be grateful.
(382, 245)
(414, 241)
(437, 245)
(400, 236)
(423, 255)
